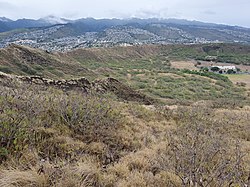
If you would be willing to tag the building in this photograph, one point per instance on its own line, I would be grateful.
(224, 69)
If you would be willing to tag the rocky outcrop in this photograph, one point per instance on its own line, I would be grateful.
(80, 83)
(101, 86)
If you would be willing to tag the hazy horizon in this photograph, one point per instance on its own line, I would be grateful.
(220, 11)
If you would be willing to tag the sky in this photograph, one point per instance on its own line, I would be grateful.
(229, 12)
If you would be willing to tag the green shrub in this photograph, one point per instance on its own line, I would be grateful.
(5, 69)
(208, 74)
(216, 69)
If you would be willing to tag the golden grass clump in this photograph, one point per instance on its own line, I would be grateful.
(16, 178)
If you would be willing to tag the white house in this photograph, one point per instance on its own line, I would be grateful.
(224, 69)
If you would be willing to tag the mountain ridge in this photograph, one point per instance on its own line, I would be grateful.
(132, 19)
(57, 34)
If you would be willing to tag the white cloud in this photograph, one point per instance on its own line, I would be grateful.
(218, 11)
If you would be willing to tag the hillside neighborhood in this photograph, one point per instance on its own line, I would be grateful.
(89, 32)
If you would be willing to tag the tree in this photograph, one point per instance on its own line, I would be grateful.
(205, 69)
(231, 71)
(215, 69)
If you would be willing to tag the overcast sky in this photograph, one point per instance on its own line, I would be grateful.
(217, 11)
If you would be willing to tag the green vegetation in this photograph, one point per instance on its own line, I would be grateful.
(154, 77)
(5, 69)
(146, 68)
(227, 53)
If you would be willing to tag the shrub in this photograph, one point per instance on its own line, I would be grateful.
(208, 74)
(242, 84)
(89, 116)
(5, 69)
(34, 119)
(215, 69)
(201, 157)
(230, 71)
(200, 153)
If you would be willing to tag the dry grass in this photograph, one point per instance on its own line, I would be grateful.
(170, 75)
(17, 178)
(240, 78)
(147, 164)
(127, 145)
(190, 65)
(54, 138)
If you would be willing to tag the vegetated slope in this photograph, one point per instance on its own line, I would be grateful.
(3, 27)
(145, 68)
(115, 53)
(98, 86)
(228, 53)
(22, 60)
(148, 69)
(63, 133)
(172, 32)
(54, 138)
(114, 32)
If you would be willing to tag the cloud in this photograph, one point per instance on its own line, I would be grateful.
(217, 11)
(158, 13)
(147, 13)
(151, 13)
(5, 6)
(209, 12)
(8, 10)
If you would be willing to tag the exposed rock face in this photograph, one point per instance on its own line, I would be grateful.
(81, 83)
(100, 86)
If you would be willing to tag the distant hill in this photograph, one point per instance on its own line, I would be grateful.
(23, 60)
(7, 24)
(3, 26)
(58, 34)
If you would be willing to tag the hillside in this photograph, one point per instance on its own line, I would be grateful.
(8, 24)
(122, 116)
(27, 61)
(65, 35)
(145, 68)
